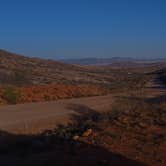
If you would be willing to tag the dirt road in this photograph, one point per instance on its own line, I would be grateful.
(34, 117)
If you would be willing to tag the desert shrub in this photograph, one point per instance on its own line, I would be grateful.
(114, 114)
(11, 95)
(47, 98)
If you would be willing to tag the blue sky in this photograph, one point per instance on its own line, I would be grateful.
(84, 28)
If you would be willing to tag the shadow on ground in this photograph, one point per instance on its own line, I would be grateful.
(56, 147)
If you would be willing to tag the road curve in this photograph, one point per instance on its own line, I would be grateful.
(34, 117)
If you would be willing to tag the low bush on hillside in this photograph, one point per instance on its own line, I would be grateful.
(11, 95)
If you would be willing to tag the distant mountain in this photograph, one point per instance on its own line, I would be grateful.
(107, 61)
(95, 61)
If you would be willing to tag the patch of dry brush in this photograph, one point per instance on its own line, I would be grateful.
(51, 92)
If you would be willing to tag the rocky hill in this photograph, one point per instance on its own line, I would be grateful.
(20, 70)
(24, 79)
(17, 69)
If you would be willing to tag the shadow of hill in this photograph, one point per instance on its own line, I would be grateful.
(160, 83)
(162, 76)
(44, 150)
(56, 147)
(158, 99)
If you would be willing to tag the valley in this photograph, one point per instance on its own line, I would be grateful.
(53, 113)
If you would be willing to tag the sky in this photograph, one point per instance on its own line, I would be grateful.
(84, 28)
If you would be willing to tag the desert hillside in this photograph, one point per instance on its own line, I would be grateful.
(17, 69)
(35, 79)
(25, 79)
(20, 70)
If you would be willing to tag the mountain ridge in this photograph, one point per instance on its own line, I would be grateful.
(112, 60)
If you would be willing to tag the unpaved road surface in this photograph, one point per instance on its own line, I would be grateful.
(34, 117)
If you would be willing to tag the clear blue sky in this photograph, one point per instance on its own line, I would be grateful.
(84, 28)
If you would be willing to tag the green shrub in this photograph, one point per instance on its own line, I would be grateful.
(11, 95)
(47, 98)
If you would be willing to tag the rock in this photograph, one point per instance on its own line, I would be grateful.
(87, 133)
(76, 137)
(142, 125)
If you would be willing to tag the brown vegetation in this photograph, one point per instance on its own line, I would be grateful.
(14, 95)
